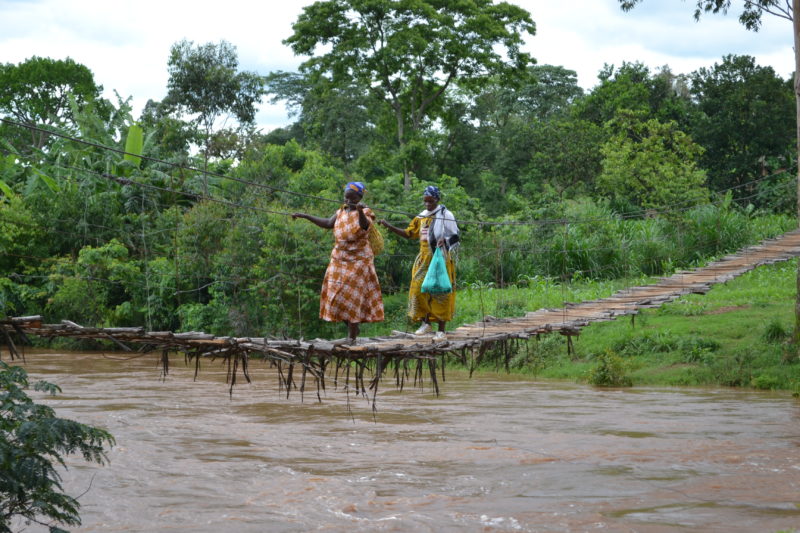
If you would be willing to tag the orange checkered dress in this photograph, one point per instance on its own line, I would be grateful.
(351, 291)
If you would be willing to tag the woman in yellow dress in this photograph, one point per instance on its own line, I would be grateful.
(351, 292)
(435, 227)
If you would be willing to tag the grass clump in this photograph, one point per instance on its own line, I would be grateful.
(538, 355)
(775, 332)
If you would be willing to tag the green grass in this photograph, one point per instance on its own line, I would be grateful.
(736, 335)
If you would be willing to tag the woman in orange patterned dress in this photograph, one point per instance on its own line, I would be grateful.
(351, 292)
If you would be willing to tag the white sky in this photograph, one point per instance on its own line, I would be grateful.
(126, 44)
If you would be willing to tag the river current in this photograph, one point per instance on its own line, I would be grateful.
(490, 453)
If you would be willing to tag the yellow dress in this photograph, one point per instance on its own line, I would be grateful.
(433, 307)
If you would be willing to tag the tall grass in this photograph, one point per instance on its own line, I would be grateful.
(595, 243)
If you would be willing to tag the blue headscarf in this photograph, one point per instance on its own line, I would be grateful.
(356, 186)
(433, 191)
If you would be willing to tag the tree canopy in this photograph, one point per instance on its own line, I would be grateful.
(746, 115)
(652, 165)
(38, 91)
(205, 83)
(409, 53)
(751, 14)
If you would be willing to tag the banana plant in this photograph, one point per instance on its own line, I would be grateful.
(134, 145)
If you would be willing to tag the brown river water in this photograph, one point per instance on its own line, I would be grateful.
(491, 453)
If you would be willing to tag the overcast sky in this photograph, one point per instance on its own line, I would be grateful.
(126, 44)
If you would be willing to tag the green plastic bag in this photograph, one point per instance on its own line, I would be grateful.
(437, 281)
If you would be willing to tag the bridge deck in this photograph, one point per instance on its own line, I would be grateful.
(314, 355)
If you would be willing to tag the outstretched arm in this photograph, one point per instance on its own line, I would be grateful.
(394, 229)
(326, 223)
(363, 221)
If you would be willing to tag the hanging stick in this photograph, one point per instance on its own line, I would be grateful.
(164, 364)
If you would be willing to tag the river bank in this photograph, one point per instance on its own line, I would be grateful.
(736, 335)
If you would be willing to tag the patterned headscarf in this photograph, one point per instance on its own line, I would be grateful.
(357, 186)
(432, 191)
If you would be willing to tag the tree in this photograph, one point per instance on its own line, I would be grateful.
(566, 156)
(633, 87)
(490, 140)
(408, 53)
(750, 17)
(172, 136)
(32, 442)
(549, 91)
(745, 117)
(652, 165)
(335, 118)
(37, 92)
(204, 81)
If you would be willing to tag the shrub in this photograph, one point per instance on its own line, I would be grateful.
(32, 439)
(692, 348)
(539, 354)
(609, 372)
(734, 370)
(766, 382)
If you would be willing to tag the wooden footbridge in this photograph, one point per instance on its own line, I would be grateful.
(406, 354)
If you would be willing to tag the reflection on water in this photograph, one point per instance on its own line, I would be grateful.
(491, 453)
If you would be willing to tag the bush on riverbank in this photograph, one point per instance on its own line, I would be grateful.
(34, 444)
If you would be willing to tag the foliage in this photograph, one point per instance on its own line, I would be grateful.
(33, 443)
(520, 152)
(746, 117)
(651, 164)
(334, 118)
(92, 288)
(134, 144)
(609, 371)
(685, 349)
(776, 332)
(632, 88)
(38, 92)
(539, 354)
(566, 157)
(204, 81)
(517, 138)
(750, 16)
(711, 230)
(409, 53)
(777, 191)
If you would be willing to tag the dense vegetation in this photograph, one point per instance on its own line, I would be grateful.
(33, 443)
(647, 172)
(178, 218)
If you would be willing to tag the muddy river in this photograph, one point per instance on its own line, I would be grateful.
(491, 453)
